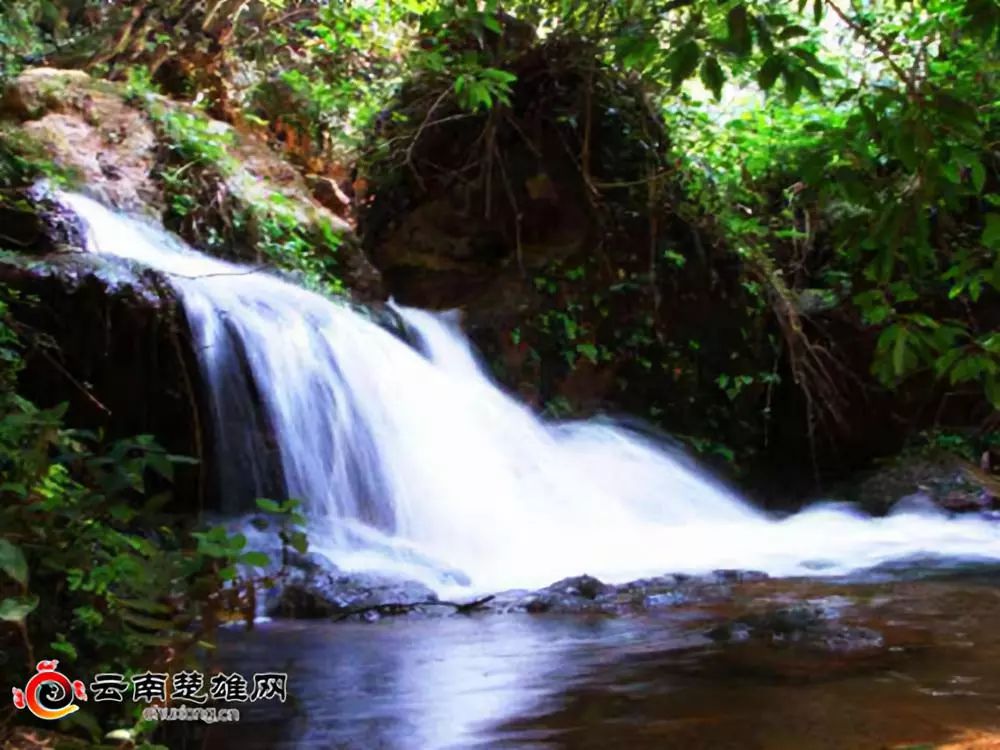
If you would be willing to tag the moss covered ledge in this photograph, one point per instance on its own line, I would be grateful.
(222, 189)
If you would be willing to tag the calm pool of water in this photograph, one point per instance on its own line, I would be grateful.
(655, 681)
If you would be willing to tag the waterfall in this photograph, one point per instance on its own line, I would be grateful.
(409, 459)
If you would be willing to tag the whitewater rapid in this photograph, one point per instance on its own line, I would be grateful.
(409, 459)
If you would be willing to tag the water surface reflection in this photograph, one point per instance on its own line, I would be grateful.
(655, 681)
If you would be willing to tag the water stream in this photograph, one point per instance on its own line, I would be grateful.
(410, 459)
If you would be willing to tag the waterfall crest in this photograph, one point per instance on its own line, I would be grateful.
(411, 460)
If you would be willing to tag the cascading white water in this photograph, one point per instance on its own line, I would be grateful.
(417, 463)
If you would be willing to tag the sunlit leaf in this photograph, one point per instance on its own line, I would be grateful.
(13, 562)
(15, 609)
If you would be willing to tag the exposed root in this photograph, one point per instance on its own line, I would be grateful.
(817, 371)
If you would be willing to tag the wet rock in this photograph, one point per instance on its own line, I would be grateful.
(309, 585)
(35, 224)
(580, 594)
(928, 567)
(776, 625)
(584, 586)
(317, 589)
(678, 590)
(849, 639)
(940, 482)
(801, 643)
(813, 626)
(917, 502)
(667, 599)
(507, 602)
(588, 595)
(739, 576)
(964, 500)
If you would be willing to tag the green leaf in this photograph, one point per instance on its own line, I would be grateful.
(495, 74)
(952, 172)
(978, 172)
(811, 83)
(764, 40)
(959, 114)
(299, 542)
(991, 234)
(257, 559)
(587, 350)
(790, 32)
(793, 84)
(991, 385)
(809, 58)
(637, 49)
(492, 24)
(12, 562)
(899, 351)
(159, 463)
(683, 63)
(268, 506)
(65, 648)
(737, 20)
(712, 76)
(770, 71)
(16, 608)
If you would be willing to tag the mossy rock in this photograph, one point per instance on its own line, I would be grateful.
(223, 189)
